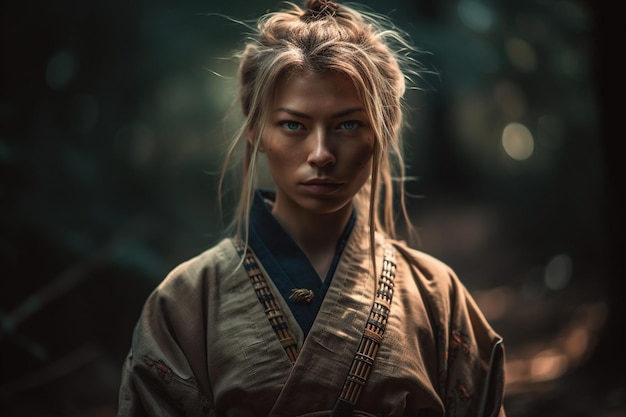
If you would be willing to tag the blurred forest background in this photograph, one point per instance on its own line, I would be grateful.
(111, 135)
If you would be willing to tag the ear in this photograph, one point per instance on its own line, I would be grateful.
(251, 134)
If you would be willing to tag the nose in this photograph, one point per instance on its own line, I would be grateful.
(321, 154)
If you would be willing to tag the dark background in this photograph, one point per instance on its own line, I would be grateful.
(111, 135)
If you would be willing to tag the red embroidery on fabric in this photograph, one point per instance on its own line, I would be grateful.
(458, 341)
(167, 374)
(463, 392)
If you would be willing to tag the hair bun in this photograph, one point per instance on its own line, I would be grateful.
(319, 9)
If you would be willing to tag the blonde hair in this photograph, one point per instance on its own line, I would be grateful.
(325, 36)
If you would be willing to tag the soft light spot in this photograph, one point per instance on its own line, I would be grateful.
(517, 141)
(61, 69)
(548, 365)
(577, 343)
(521, 54)
(496, 302)
(558, 272)
(475, 15)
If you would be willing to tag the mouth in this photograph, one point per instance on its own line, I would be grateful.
(321, 185)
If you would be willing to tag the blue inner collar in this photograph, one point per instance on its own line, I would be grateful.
(285, 262)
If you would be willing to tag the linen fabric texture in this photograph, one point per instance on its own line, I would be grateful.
(203, 345)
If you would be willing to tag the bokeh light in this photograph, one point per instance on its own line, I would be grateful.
(517, 141)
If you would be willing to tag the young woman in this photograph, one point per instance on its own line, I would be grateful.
(312, 307)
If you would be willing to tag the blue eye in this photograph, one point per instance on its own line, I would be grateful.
(291, 126)
(350, 125)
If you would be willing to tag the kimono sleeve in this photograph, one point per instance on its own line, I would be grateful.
(474, 369)
(162, 374)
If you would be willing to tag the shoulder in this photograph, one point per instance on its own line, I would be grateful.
(428, 266)
(434, 280)
(202, 270)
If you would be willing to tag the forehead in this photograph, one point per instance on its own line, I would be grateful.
(292, 75)
(316, 88)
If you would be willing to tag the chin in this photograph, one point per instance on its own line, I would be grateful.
(325, 206)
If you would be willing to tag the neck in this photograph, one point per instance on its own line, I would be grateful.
(316, 234)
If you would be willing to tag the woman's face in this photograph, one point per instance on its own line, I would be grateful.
(319, 144)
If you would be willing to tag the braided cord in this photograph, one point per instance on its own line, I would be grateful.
(272, 309)
(371, 339)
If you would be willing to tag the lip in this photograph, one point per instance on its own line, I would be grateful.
(321, 185)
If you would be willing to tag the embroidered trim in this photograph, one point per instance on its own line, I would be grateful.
(272, 309)
(371, 339)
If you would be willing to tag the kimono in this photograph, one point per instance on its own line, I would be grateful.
(203, 345)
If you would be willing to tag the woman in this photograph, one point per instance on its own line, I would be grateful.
(314, 307)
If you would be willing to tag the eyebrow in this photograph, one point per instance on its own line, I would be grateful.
(341, 113)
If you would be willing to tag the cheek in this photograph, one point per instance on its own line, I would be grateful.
(280, 159)
(363, 155)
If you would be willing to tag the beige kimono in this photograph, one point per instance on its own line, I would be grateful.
(203, 345)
